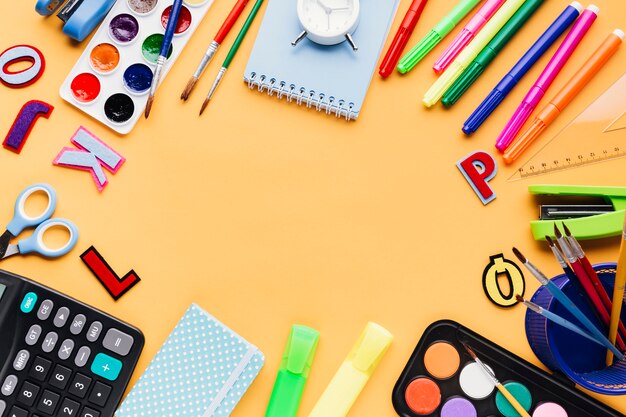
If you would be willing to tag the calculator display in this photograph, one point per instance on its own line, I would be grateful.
(2, 288)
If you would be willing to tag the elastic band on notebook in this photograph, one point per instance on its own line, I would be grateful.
(234, 376)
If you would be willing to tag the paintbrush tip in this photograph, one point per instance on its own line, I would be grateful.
(566, 229)
(469, 350)
(190, 85)
(519, 255)
(519, 298)
(148, 106)
(557, 232)
(206, 103)
(550, 241)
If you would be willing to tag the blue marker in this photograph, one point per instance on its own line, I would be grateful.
(510, 80)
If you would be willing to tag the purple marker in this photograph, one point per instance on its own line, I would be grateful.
(546, 78)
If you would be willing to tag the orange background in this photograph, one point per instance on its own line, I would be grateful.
(267, 214)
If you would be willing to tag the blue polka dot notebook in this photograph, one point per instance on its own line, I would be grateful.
(202, 370)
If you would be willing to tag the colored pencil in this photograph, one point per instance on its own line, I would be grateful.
(165, 47)
(618, 292)
(215, 44)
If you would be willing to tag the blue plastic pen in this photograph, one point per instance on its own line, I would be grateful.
(510, 80)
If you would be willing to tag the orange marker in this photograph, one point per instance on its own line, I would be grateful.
(574, 86)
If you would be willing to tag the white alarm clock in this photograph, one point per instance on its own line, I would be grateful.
(328, 22)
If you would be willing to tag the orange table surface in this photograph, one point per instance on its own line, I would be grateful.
(267, 214)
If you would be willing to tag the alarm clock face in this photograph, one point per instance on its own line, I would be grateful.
(328, 21)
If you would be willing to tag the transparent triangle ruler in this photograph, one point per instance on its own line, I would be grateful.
(596, 135)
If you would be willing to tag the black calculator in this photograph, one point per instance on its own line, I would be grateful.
(58, 356)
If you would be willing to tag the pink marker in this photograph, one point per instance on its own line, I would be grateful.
(548, 75)
(464, 37)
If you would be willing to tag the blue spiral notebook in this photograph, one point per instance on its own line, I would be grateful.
(333, 79)
(202, 370)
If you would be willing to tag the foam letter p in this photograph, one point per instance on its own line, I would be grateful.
(479, 168)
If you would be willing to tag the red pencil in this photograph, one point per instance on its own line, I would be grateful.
(402, 37)
(217, 41)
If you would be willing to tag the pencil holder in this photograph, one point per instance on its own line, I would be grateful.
(564, 351)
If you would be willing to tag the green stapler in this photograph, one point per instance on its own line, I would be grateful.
(590, 212)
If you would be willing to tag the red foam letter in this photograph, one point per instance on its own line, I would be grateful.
(111, 281)
(478, 169)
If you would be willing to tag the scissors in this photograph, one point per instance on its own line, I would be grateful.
(34, 243)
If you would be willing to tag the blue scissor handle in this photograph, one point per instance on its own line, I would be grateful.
(21, 220)
(35, 243)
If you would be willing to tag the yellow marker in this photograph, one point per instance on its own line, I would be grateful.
(467, 55)
(354, 372)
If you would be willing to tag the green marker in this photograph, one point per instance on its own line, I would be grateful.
(293, 373)
(436, 34)
(489, 52)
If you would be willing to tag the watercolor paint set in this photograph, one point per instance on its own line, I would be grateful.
(441, 379)
(112, 78)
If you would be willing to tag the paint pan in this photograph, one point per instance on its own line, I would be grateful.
(441, 380)
(110, 80)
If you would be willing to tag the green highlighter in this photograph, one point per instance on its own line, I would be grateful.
(293, 373)
(436, 34)
(489, 52)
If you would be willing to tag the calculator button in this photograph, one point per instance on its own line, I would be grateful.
(49, 342)
(21, 359)
(45, 309)
(60, 376)
(66, 349)
(100, 394)
(48, 402)
(107, 367)
(9, 384)
(88, 412)
(61, 317)
(82, 356)
(80, 385)
(77, 324)
(28, 393)
(28, 303)
(3, 407)
(18, 412)
(94, 331)
(118, 342)
(40, 368)
(33, 334)
(68, 408)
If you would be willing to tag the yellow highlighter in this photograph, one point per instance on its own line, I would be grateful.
(354, 372)
(467, 55)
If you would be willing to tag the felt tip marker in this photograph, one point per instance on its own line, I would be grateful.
(464, 37)
(436, 34)
(436, 91)
(558, 61)
(521, 67)
(564, 97)
(490, 52)
(402, 37)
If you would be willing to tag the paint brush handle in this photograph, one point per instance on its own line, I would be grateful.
(230, 20)
(572, 308)
(242, 33)
(171, 27)
(511, 399)
(569, 325)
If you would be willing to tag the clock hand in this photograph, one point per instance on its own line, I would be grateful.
(327, 9)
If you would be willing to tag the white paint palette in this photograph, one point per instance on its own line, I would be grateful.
(111, 79)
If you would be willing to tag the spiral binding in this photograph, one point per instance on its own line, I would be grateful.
(310, 98)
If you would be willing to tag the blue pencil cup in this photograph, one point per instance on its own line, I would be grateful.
(566, 352)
